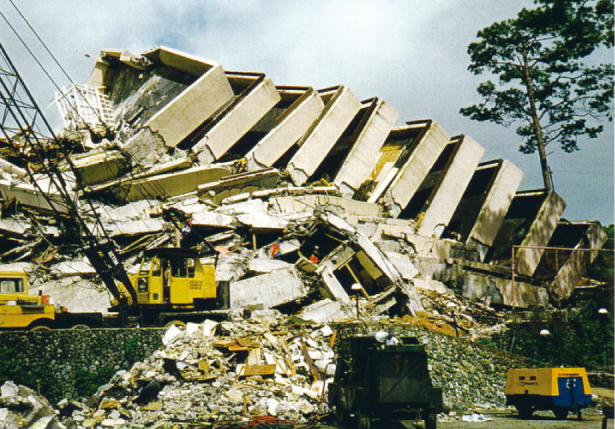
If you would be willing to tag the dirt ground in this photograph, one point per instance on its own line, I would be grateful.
(541, 420)
(592, 419)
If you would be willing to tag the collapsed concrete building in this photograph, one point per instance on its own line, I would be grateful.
(303, 192)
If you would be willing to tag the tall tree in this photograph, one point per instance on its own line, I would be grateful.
(546, 85)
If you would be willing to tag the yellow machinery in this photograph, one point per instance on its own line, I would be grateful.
(558, 389)
(18, 309)
(171, 285)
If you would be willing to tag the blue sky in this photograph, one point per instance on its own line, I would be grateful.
(412, 53)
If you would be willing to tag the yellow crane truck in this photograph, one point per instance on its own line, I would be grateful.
(171, 286)
(558, 389)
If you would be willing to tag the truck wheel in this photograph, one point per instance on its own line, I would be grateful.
(178, 323)
(80, 326)
(561, 413)
(525, 411)
(431, 421)
(40, 325)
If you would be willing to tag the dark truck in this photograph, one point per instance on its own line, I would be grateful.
(383, 378)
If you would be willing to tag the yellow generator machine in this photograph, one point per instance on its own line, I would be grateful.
(558, 389)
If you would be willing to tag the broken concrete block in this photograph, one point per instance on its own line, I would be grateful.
(269, 290)
(99, 167)
(402, 263)
(134, 227)
(29, 195)
(326, 311)
(266, 265)
(213, 220)
(340, 108)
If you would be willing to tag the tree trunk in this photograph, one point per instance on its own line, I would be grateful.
(542, 152)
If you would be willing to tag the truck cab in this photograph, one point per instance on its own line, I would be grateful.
(19, 309)
(170, 279)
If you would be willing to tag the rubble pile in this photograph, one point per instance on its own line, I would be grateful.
(314, 202)
(214, 372)
(21, 407)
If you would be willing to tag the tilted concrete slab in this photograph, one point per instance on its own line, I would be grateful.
(288, 205)
(170, 184)
(530, 222)
(12, 168)
(422, 144)
(484, 204)
(28, 195)
(341, 106)
(301, 107)
(197, 103)
(255, 95)
(567, 267)
(496, 203)
(447, 193)
(236, 184)
(99, 167)
(368, 139)
(268, 290)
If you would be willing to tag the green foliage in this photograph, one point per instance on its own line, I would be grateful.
(602, 268)
(577, 339)
(543, 85)
(87, 382)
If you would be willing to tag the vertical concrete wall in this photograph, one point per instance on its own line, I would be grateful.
(410, 176)
(363, 156)
(539, 233)
(340, 109)
(447, 194)
(497, 201)
(250, 106)
(292, 125)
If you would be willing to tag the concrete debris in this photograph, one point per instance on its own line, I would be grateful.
(311, 178)
(21, 407)
(214, 372)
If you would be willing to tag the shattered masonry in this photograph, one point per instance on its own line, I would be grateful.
(304, 192)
